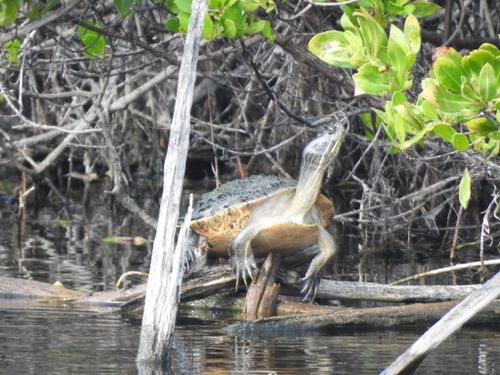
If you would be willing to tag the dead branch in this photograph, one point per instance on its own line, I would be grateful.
(447, 325)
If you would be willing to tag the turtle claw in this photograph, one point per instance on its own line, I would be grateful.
(243, 269)
(243, 265)
(310, 288)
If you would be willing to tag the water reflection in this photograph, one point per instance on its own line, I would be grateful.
(49, 341)
(73, 252)
(57, 341)
(202, 350)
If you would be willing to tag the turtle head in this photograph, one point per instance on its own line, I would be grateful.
(321, 152)
(318, 155)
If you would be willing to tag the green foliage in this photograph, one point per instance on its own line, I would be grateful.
(37, 11)
(459, 89)
(8, 11)
(464, 189)
(385, 11)
(225, 18)
(462, 89)
(384, 62)
(93, 42)
(12, 49)
(124, 7)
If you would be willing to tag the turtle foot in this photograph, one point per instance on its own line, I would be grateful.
(243, 263)
(310, 287)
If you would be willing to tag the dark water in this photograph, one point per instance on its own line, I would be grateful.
(50, 340)
(67, 342)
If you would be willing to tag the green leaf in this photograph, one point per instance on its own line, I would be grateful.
(457, 106)
(476, 60)
(256, 27)
(249, 5)
(330, 46)
(93, 42)
(448, 74)
(172, 24)
(460, 142)
(430, 90)
(428, 110)
(464, 189)
(12, 49)
(410, 116)
(51, 5)
(494, 135)
(490, 48)
(8, 11)
(444, 131)
(414, 139)
(374, 36)
(230, 30)
(236, 16)
(412, 33)
(183, 5)
(481, 126)
(183, 21)
(230, 3)
(172, 6)
(123, 6)
(398, 98)
(208, 30)
(267, 31)
(216, 4)
(487, 83)
(369, 80)
(396, 52)
(423, 8)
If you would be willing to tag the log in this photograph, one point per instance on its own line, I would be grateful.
(263, 292)
(14, 288)
(220, 280)
(20, 293)
(357, 291)
(357, 319)
(448, 325)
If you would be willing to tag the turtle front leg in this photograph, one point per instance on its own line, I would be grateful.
(241, 255)
(327, 249)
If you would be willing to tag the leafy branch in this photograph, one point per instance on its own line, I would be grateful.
(460, 92)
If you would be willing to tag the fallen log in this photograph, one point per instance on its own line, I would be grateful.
(353, 318)
(214, 292)
(356, 291)
(14, 288)
(220, 280)
(454, 319)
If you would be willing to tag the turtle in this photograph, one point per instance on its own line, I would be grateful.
(253, 216)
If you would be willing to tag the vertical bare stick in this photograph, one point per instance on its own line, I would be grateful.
(165, 275)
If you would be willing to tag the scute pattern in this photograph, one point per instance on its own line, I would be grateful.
(238, 191)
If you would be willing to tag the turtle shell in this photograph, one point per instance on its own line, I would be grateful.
(222, 213)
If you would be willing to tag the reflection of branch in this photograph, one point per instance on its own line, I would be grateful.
(51, 17)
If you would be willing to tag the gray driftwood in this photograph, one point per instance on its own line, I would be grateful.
(389, 293)
(165, 275)
(356, 319)
(448, 325)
